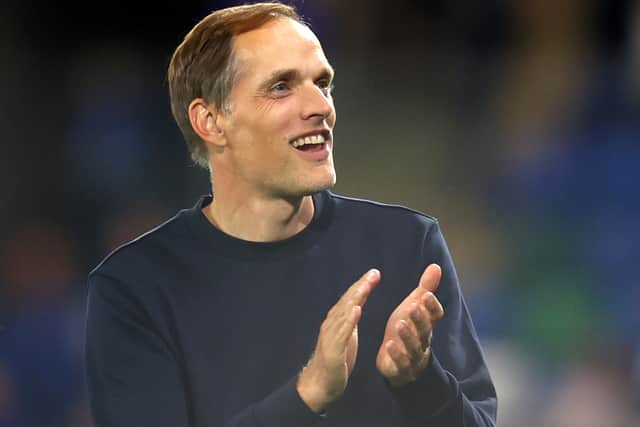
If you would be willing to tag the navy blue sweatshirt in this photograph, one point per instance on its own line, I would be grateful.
(188, 326)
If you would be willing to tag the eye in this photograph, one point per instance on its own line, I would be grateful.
(280, 88)
(325, 85)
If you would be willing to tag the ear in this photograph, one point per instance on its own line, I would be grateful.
(204, 118)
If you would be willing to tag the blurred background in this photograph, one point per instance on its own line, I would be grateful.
(516, 123)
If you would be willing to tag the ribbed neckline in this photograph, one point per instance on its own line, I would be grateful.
(232, 247)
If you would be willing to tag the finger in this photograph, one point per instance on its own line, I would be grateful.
(430, 278)
(428, 282)
(433, 306)
(411, 342)
(365, 285)
(356, 295)
(360, 289)
(347, 328)
(400, 359)
(420, 318)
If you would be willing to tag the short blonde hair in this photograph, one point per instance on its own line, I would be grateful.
(203, 65)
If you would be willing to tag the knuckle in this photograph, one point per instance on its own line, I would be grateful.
(332, 311)
(405, 363)
(327, 318)
(414, 312)
(418, 319)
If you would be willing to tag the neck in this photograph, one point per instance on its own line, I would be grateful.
(259, 219)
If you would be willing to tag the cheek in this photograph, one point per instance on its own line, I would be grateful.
(266, 143)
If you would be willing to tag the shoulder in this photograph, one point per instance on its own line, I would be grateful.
(137, 256)
(375, 212)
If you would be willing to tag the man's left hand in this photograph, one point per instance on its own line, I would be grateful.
(406, 348)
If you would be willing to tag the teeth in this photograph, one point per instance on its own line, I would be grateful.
(314, 139)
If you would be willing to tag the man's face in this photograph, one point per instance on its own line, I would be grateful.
(281, 118)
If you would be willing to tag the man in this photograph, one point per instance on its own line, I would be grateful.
(249, 309)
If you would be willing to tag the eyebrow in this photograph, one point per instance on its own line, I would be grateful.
(293, 74)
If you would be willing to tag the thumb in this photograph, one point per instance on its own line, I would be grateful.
(430, 278)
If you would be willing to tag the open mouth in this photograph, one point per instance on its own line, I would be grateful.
(309, 143)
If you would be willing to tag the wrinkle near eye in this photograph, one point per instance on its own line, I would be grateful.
(264, 102)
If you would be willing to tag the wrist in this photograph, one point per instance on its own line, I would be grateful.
(310, 394)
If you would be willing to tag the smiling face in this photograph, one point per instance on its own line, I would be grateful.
(278, 129)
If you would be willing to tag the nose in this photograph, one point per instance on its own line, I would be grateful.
(315, 103)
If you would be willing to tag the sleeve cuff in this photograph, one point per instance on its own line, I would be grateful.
(429, 394)
(285, 407)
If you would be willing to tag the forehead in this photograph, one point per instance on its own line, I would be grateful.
(281, 43)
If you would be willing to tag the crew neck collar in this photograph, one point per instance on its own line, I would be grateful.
(229, 246)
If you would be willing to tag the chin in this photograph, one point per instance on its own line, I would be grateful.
(308, 188)
(321, 187)
(324, 184)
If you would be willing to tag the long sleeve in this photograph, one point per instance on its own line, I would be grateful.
(135, 378)
(283, 407)
(456, 389)
(132, 376)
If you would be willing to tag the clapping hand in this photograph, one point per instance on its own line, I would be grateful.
(325, 377)
(406, 347)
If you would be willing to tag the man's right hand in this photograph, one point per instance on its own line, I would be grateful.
(325, 377)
